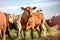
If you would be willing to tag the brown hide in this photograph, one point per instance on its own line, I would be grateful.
(26, 15)
(35, 20)
(7, 17)
(3, 24)
(2, 20)
(24, 18)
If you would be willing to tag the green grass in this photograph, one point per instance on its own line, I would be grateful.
(51, 31)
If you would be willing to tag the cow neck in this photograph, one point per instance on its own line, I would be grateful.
(28, 12)
(27, 15)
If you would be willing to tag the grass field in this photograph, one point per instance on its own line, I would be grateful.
(51, 32)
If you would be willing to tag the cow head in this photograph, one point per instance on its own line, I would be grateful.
(11, 18)
(29, 9)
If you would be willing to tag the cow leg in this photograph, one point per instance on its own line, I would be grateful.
(43, 26)
(17, 32)
(21, 32)
(17, 28)
(39, 30)
(7, 32)
(44, 29)
(24, 33)
(32, 33)
(3, 34)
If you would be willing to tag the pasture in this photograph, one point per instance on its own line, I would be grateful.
(32, 24)
(51, 32)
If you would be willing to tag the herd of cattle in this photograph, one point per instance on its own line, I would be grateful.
(28, 21)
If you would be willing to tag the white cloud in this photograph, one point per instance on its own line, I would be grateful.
(16, 7)
(57, 14)
(37, 0)
(44, 4)
(51, 15)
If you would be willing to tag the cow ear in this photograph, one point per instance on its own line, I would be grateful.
(34, 8)
(22, 8)
(40, 10)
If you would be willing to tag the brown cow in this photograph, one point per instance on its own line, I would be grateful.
(31, 20)
(25, 16)
(36, 21)
(36, 18)
(3, 24)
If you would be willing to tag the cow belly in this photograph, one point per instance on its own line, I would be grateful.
(38, 21)
(31, 23)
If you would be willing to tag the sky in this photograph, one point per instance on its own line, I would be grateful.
(49, 7)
